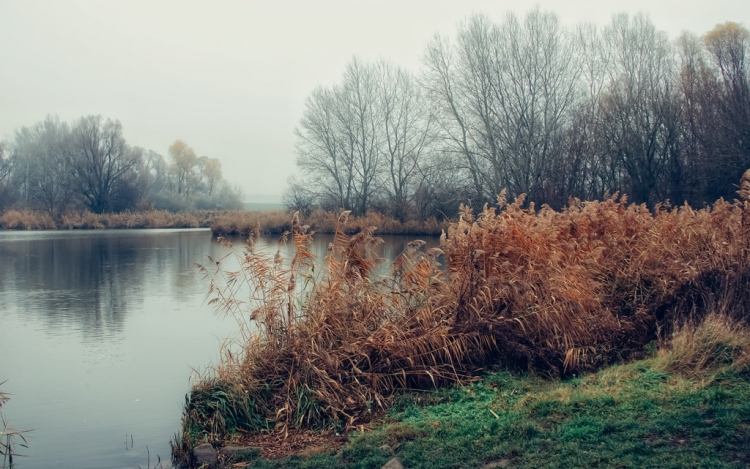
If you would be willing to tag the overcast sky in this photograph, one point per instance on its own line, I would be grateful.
(231, 78)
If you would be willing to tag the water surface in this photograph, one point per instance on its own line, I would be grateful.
(100, 333)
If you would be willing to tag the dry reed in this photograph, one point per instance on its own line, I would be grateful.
(85, 220)
(278, 221)
(541, 290)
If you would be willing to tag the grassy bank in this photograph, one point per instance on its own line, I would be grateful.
(556, 294)
(279, 221)
(634, 415)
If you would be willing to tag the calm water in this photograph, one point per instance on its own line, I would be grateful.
(100, 332)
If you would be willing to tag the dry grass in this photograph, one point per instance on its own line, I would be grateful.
(553, 292)
(278, 221)
(703, 349)
(147, 219)
(26, 220)
(85, 220)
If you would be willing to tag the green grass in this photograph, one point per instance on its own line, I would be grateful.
(625, 416)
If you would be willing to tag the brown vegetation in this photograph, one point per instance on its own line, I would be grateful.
(278, 221)
(541, 290)
(85, 220)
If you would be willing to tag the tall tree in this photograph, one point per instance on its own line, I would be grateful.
(505, 94)
(640, 113)
(43, 152)
(103, 165)
(338, 140)
(726, 106)
(406, 135)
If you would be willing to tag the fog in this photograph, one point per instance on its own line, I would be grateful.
(231, 78)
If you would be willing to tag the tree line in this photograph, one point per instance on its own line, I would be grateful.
(532, 107)
(55, 166)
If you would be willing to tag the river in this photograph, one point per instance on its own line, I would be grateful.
(100, 334)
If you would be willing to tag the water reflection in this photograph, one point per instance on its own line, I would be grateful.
(90, 282)
(99, 334)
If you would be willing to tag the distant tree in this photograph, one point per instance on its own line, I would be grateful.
(212, 174)
(320, 150)
(153, 173)
(8, 192)
(6, 164)
(298, 197)
(184, 162)
(103, 165)
(43, 156)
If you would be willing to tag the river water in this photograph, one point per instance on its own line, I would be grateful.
(100, 334)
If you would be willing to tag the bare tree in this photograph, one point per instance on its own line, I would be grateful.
(338, 140)
(505, 94)
(8, 192)
(298, 196)
(724, 101)
(640, 113)
(6, 164)
(212, 174)
(407, 135)
(42, 153)
(103, 165)
(358, 120)
(184, 163)
(321, 153)
(451, 106)
(153, 176)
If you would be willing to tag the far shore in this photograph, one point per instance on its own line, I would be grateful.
(221, 222)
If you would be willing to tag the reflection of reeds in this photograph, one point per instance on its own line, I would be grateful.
(552, 292)
(10, 439)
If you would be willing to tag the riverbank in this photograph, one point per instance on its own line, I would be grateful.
(557, 294)
(222, 222)
(649, 413)
(32, 220)
(239, 223)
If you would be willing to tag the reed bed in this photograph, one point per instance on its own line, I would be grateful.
(85, 220)
(240, 223)
(26, 220)
(549, 292)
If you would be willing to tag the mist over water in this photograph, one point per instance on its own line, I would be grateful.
(100, 332)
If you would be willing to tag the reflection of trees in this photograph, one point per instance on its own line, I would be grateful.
(90, 283)
(187, 249)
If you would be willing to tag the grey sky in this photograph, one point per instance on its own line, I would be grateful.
(230, 78)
